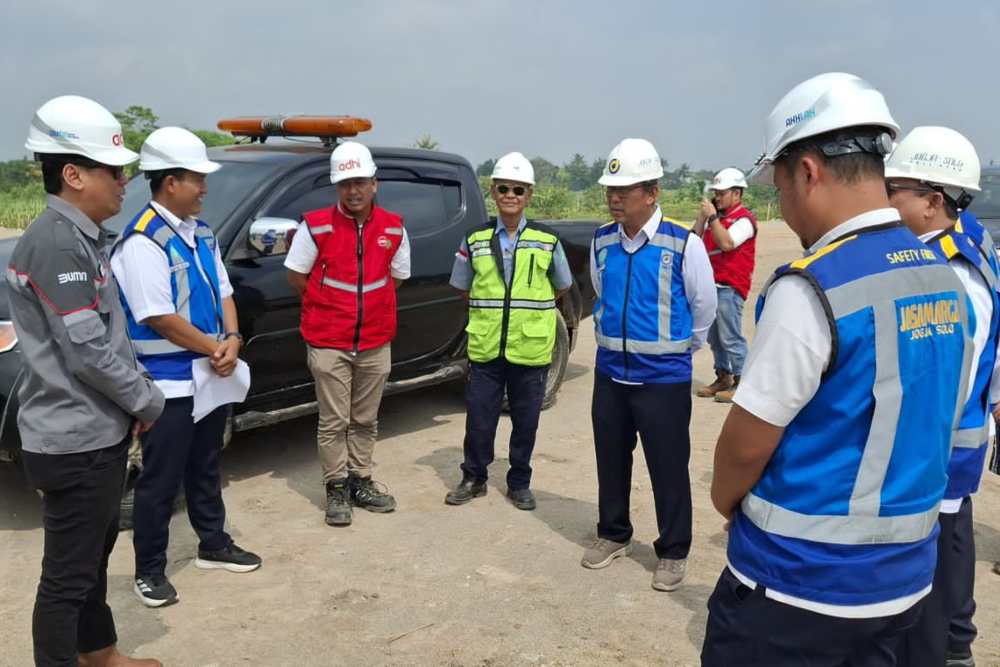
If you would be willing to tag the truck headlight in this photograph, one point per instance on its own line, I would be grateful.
(8, 336)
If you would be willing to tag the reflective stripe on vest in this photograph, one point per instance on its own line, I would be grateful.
(517, 320)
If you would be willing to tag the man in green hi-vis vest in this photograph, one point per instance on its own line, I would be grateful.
(512, 272)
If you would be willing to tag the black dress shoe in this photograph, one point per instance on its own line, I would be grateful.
(523, 499)
(467, 490)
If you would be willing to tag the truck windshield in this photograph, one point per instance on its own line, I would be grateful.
(227, 188)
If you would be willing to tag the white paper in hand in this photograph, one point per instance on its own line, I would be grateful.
(211, 390)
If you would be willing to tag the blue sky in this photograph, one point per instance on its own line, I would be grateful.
(546, 77)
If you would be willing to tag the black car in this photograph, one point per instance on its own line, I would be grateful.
(257, 198)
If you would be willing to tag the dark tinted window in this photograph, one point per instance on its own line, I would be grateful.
(424, 205)
(987, 203)
(227, 188)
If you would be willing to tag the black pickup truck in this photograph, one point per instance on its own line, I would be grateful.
(256, 199)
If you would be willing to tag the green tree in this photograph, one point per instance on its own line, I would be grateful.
(577, 173)
(213, 138)
(138, 122)
(427, 142)
(545, 172)
(596, 170)
(486, 168)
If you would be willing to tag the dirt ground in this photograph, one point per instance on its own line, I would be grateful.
(484, 584)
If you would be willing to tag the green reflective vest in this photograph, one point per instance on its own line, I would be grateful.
(516, 322)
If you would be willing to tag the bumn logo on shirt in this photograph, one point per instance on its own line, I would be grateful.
(72, 277)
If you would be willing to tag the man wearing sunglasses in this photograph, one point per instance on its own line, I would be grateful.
(83, 395)
(832, 462)
(931, 177)
(512, 271)
(656, 300)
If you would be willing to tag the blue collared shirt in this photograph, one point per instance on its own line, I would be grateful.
(559, 272)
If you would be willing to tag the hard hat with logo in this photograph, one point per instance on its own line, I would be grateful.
(514, 167)
(825, 103)
(728, 178)
(78, 126)
(351, 160)
(175, 148)
(632, 161)
(938, 156)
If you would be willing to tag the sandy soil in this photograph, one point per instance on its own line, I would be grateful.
(483, 584)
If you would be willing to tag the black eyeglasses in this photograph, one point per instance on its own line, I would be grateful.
(116, 172)
(897, 187)
(621, 190)
(518, 190)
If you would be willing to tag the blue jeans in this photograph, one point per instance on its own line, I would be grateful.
(725, 337)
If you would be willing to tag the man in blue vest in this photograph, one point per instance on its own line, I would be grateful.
(180, 308)
(831, 466)
(931, 176)
(656, 300)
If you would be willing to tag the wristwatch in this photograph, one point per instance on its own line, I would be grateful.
(712, 218)
(233, 334)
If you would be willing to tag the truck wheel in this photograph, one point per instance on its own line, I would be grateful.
(134, 467)
(560, 357)
(557, 370)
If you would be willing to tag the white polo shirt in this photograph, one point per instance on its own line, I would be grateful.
(143, 273)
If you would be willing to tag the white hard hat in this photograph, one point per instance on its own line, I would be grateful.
(514, 167)
(351, 160)
(78, 126)
(632, 161)
(175, 148)
(936, 155)
(728, 178)
(824, 103)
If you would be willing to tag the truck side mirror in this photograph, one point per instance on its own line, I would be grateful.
(272, 236)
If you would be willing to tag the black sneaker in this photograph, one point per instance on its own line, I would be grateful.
(338, 503)
(232, 559)
(962, 658)
(366, 494)
(154, 590)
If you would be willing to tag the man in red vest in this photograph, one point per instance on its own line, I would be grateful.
(729, 230)
(346, 262)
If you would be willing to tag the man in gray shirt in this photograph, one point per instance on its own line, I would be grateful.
(84, 395)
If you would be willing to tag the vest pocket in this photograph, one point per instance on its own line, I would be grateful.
(537, 328)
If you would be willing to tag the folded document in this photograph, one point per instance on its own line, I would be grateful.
(212, 390)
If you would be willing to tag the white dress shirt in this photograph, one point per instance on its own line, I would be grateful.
(143, 273)
(699, 280)
(303, 253)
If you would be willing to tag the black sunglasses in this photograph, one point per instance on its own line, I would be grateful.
(519, 190)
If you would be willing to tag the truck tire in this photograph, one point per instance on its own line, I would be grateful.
(560, 358)
(127, 506)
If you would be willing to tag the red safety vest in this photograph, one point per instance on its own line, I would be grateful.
(735, 267)
(350, 298)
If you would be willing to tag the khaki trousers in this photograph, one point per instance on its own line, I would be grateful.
(348, 391)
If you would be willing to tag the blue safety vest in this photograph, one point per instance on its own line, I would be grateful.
(194, 286)
(969, 242)
(846, 510)
(642, 320)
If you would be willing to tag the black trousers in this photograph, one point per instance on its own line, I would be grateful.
(747, 628)
(81, 496)
(946, 620)
(661, 415)
(179, 450)
(484, 390)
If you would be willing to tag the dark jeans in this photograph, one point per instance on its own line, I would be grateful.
(660, 414)
(946, 620)
(82, 493)
(177, 449)
(484, 389)
(747, 628)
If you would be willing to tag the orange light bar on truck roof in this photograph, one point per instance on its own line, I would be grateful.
(295, 126)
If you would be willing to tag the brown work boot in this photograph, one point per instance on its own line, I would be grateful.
(602, 552)
(110, 657)
(726, 396)
(723, 381)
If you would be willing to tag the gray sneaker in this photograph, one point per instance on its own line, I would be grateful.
(602, 552)
(669, 574)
